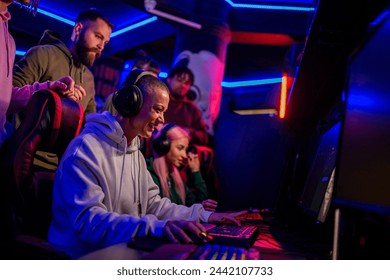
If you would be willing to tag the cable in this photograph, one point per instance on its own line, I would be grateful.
(139, 186)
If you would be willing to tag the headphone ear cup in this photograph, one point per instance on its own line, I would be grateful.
(161, 144)
(128, 101)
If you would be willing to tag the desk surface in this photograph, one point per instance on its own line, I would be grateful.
(269, 245)
(172, 252)
(116, 252)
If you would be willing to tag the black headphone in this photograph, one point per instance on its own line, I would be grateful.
(128, 99)
(161, 144)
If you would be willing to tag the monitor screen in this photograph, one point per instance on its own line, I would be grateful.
(363, 175)
(317, 192)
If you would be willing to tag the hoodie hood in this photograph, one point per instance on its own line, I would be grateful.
(108, 129)
(50, 37)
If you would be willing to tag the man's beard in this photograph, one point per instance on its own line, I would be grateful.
(86, 55)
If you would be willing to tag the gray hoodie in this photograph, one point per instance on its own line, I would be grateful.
(104, 194)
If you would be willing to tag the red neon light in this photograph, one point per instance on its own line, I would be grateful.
(283, 97)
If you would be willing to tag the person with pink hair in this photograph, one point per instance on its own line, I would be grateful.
(169, 145)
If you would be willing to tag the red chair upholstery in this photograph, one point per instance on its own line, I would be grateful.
(51, 123)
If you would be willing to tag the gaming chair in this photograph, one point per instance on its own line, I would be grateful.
(26, 194)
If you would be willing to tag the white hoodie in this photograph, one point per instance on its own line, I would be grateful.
(103, 193)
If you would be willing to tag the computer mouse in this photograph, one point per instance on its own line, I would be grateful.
(200, 239)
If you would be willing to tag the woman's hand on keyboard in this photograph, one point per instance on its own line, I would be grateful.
(180, 231)
(228, 218)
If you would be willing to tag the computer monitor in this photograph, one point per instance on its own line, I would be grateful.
(363, 177)
(318, 189)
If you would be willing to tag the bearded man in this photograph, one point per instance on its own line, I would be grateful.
(19, 96)
(53, 59)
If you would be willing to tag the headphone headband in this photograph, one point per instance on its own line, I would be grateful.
(143, 73)
(164, 130)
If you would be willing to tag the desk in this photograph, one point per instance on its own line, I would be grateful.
(123, 252)
(143, 248)
(118, 251)
(267, 245)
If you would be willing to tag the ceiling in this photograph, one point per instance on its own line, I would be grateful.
(260, 37)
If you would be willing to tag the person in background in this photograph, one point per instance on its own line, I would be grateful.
(186, 114)
(182, 111)
(143, 62)
(146, 62)
(170, 144)
(103, 193)
(52, 58)
(63, 85)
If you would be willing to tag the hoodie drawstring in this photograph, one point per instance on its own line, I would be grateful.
(6, 34)
(137, 187)
(122, 171)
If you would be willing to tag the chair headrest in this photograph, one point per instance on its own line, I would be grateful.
(51, 123)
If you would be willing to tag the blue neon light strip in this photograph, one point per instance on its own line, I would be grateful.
(20, 52)
(252, 83)
(163, 74)
(49, 14)
(270, 7)
(46, 13)
(224, 84)
(133, 26)
(116, 33)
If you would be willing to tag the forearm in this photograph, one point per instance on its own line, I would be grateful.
(163, 208)
(106, 228)
(21, 96)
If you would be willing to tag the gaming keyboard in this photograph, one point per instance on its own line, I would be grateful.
(202, 252)
(219, 252)
(233, 235)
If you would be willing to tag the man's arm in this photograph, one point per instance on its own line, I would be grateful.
(27, 74)
(88, 82)
(91, 107)
(31, 67)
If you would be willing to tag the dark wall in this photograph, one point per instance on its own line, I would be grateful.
(250, 154)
